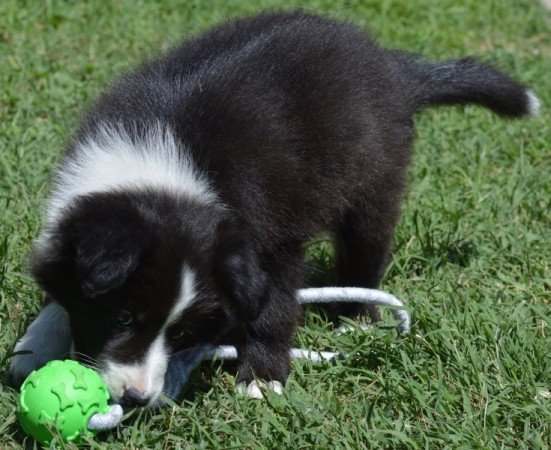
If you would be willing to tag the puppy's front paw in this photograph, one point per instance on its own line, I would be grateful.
(254, 388)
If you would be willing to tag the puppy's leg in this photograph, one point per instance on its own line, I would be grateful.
(265, 342)
(362, 245)
(47, 338)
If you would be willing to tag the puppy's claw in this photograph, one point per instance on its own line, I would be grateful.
(255, 387)
(252, 390)
(276, 387)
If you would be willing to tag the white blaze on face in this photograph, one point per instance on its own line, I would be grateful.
(147, 375)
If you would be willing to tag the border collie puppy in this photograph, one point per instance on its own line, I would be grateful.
(186, 196)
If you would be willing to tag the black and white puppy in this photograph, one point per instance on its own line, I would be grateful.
(188, 192)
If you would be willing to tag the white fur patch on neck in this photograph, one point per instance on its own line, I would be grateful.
(112, 160)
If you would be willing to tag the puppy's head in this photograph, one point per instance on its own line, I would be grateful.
(143, 275)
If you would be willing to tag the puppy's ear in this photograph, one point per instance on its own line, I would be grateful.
(238, 273)
(92, 251)
(106, 257)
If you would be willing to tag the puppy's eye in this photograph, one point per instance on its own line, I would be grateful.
(125, 318)
(176, 334)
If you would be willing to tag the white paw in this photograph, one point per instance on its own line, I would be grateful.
(276, 387)
(255, 387)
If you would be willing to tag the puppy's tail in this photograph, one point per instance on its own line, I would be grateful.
(464, 81)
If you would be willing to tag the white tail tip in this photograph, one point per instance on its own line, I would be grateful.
(534, 103)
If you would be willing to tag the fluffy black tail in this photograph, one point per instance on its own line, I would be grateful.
(468, 81)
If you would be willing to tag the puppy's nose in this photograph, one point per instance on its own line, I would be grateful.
(133, 397)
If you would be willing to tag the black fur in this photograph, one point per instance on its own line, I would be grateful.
(302, 125)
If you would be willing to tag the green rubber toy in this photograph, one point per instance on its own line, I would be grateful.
(59, 399)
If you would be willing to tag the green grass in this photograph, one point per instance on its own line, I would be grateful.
(471, 252)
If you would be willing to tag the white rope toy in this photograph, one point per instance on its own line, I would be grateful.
(106, 421)
(311, 295)
(373, 297)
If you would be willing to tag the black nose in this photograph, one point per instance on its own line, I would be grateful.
(133, 397)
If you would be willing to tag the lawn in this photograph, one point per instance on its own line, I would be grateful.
(472, 249)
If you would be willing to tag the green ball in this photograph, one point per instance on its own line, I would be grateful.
(59, 399)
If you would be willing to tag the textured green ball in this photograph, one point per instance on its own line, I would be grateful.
(59, 399)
